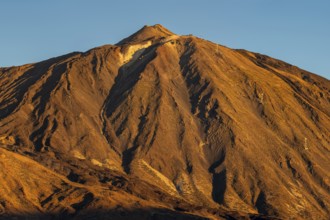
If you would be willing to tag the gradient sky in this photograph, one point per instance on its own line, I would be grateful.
(296, 31)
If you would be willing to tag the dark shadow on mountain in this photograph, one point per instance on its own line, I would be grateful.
(119, 213)
(129, 74)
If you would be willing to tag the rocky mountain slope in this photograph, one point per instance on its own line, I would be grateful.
(163, 125)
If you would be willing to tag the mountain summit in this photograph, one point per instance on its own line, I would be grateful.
(154, 32)
(164, 126)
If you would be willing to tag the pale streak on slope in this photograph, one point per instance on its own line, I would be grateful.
(133, 52)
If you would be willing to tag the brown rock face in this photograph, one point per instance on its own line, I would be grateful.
(164, 126)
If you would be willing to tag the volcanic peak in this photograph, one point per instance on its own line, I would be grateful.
(147, 33)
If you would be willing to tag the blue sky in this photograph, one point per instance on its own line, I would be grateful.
(296, 31)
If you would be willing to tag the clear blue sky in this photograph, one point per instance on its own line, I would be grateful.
(296, 31)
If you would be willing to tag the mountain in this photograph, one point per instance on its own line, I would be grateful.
(164, 126)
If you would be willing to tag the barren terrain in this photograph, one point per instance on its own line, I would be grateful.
(167, 127)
